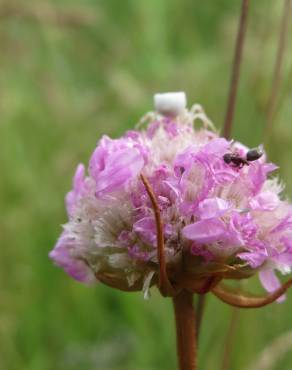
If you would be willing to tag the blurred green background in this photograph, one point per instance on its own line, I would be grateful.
(69, 72)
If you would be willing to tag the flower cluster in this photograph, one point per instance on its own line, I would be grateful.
(219, 219)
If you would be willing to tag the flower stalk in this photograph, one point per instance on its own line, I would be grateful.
(186, 341)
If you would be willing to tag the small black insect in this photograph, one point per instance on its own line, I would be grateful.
(254, 154)
(235, 160)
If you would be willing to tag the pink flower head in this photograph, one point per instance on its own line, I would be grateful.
(218, 217)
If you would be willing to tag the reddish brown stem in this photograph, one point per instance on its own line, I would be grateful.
(237, 298)
(164, 283)
(236, 70)
(272, 101)
(185, 330)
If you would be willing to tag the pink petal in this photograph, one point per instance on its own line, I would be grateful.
(146, 228)
(75, 267)
(213, 207)
(205, 231)
(265, 201)
(217, 146)
(121, 167)
(270, 282)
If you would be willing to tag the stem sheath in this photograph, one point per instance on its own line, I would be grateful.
(185, 319)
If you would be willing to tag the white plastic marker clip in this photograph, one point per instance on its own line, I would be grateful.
(171, 103)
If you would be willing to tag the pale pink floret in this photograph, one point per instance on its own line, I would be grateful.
(63, 255)
(114, 163)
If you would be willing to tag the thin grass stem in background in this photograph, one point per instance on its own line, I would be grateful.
(200, 308)
(273, 352)
(229, 340)
(277, 75)
(227, 129)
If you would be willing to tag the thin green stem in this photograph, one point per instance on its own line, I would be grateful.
(229, 340)
(200, 308)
